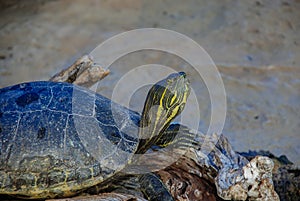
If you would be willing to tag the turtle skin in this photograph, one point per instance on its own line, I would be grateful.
(54, 143)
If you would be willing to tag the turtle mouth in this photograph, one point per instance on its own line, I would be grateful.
(184, 82)
(179, 83)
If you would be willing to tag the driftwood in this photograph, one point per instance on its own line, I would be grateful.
(221, 174)
(233, 176)
(83, 72)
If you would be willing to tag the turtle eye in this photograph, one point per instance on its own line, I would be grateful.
(169, 81)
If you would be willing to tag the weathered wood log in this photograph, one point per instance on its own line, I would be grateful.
(234, 176)
(83, 72)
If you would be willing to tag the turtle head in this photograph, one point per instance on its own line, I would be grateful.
(165, 100)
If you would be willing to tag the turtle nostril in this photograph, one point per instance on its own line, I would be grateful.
(182, 74)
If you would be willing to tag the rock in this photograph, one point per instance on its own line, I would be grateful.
(252, 182)
(286, 176)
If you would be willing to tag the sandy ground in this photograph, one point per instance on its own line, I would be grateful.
(255, 44)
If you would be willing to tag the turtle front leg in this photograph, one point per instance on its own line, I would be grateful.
(153, 188)
(148, 186)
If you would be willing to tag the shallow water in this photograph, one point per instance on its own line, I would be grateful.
(256, 50)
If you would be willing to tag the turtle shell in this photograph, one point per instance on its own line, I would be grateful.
(57, 139)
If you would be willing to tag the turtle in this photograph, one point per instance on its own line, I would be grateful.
(58, 139)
